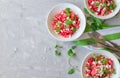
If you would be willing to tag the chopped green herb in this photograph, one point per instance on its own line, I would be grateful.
(57, 53)
(94, 26)
(97, 3)
(111, 8)
(106, 71)
(74, 47)
(68, 14)
(71, 53)
(86, 11)
(119, 59)
(95, 57)
(92, 11)
(74, 29)
(113, 4)
(58, 46)
(104, 61)
(74, 18)
(106, 12)
(59, 24)
(101, 55)
(71, 71)
(104, 5)
(58, 30)
(68, 22)
(114, 71)
(67, 10)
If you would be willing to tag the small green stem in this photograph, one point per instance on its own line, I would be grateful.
(74, 67)
(69, 62)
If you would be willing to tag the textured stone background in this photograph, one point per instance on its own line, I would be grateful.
(26, 48)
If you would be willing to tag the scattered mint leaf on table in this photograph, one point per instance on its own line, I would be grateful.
(57, 53)
(68, 22)
(58, 46)
(71, 71)
(74, 47)
(71, 53)
(58, 50)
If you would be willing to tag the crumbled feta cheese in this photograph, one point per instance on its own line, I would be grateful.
(96, 13)
(93, 62)
(99, 7)
(92, 2)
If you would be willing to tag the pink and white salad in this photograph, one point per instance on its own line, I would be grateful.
(99, 66)
(101, 7)
(65, 23)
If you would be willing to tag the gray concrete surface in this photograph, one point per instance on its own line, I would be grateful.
(26, 48)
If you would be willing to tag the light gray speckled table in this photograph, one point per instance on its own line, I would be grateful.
(26, 48)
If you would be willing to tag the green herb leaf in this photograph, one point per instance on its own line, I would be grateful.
(104, 61)
(111, 8)
(104, 5)
(67, 10)
(57, 53)
(59, 24)
(92, 10)
(86, 11)
(71, 71)
(94, 26)
(58, 46)
(114, 71)
(106, 71)
(119, 59)
(71, 53)
(74, 47)
(68, 22)
(95, 57)
(74, 29)
(99, 21)
(58, 30)
(97, 3)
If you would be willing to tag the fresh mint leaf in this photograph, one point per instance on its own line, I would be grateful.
(71, 53)
(94, 26)
(114, 71)
(95, 57)
(57, 53)
(67, 10)
(74, 29)
(58, 24)
(58, 46)
(71, 71)
(74, 47)
(58, 30)
(106, 71)
(111, 8)
(104, 61)
(119, 59)
(68, 22)
(97, 4)
(86, 11)
(104, 5)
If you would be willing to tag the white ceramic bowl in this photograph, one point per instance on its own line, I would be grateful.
(107, 54)
(116, 10)
(56, 9)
